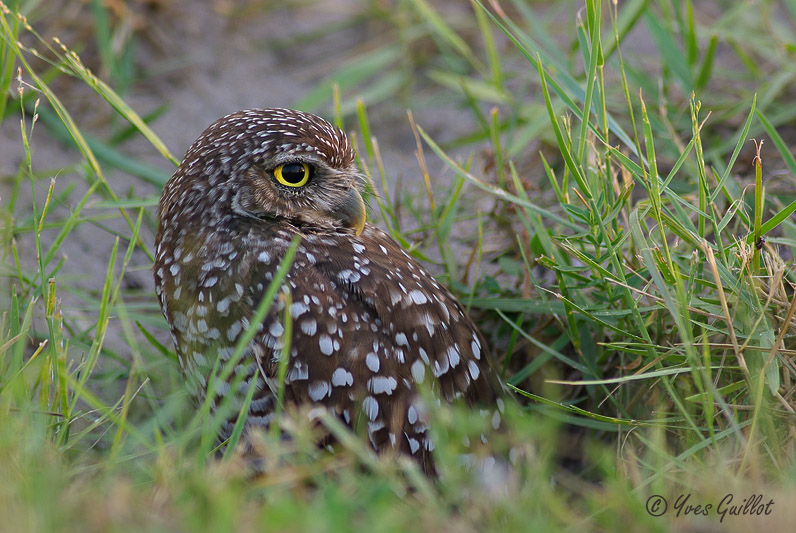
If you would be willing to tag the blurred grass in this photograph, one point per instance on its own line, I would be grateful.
(611, 231)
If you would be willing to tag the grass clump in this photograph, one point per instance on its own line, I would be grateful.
(634, 276)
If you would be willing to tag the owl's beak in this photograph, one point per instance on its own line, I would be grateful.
(352, 211)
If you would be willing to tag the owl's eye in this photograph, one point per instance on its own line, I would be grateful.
(293, 175)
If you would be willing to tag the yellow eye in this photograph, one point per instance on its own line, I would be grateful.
(293, 175)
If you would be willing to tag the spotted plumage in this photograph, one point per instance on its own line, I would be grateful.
(369, 323)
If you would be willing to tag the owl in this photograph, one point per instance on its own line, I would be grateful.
(369, 324)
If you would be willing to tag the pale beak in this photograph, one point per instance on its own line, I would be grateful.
(352, 213)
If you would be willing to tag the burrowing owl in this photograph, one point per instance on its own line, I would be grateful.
(369, 323)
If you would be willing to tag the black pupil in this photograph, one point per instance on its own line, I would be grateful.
(293, 173)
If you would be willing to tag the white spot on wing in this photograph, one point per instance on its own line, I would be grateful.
(495, 420)
(411, 414)
(400, 340)
(382, 384)
(276, 329)
(309, 326)
(423, 355)
(453, 356)
(325, 344)
(418, 371)
(372, 362)
(418, 297)
(298, 308)
(414, 445)
(440, 369)
(342, 378)
(319, 390)
(299, 372)
(371, 407)
(476, 347)
(474, 371)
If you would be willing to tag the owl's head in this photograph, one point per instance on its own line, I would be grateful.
(270, 164)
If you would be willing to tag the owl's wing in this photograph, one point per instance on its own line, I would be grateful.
(369, 325)
(425, 330)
